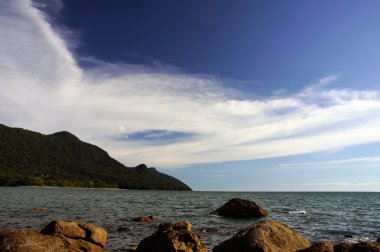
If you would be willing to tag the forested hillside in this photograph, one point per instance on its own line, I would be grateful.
(61, 159)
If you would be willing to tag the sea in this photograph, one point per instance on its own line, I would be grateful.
(335, 216)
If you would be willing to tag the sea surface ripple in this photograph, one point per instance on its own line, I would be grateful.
(316, 215)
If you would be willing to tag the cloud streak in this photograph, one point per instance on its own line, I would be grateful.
(364, 160)
(369, 186)
(44, 89)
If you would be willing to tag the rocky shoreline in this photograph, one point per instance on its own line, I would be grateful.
(266, 236)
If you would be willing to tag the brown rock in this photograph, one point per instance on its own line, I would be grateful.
(94, 234)
(358, 247)
(131, 248)
(20, 241)
(366, 247)
(323, 246)
(77, 230)
(143, 218)
(66, 228)
(172, 238)
(31, 241)
(240, 208)
(81, 245)
(265, 236)
(343, 247)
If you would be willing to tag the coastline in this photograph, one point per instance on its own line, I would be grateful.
(64, 187)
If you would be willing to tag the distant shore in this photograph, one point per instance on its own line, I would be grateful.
(68, 187)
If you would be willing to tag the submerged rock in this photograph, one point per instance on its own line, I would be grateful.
(123, 229)
(143, 218)
(172, 238)
(265, 236)
(237, 207)
(58, 236)
(40, 210)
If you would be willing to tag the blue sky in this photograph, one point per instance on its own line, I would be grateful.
(225, 95)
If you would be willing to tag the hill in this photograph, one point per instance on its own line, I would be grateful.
(61, 159)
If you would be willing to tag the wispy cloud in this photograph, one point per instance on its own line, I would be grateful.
(43, 88)
(320, 83)
(333, 162)
(344, 186)
(157, 136)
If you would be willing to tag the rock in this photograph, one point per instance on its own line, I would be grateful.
(366, 247)
(66, 228)
(322, 246)
(131, 248)
(81, 245)
(77, 230)
(358, 247)
(172, 237)
(265, 236)
(240, 208)
(348, 236)
(18, 241)
(343, 247)
(143, 218)
(31, 241)
(94, 234)
(378, 239)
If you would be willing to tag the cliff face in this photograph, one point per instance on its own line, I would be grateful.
(62, 159)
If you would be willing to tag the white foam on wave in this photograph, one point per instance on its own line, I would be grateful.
(356, 239)
(298, 212)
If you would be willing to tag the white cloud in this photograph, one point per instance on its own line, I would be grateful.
(44, 89)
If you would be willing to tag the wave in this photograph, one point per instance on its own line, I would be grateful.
(297, 212)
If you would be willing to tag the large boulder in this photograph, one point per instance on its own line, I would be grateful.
(58, 236)
(31, 241)
(77, 230)
(22, 240)
(176, 237)
(264, 236)
(237, 207)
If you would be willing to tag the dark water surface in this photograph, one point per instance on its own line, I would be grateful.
(316, 215)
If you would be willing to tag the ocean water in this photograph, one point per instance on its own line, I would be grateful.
(316, 215)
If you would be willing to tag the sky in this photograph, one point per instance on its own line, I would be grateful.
(224, 95)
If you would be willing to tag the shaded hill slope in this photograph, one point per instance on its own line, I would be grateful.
(61, 159)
